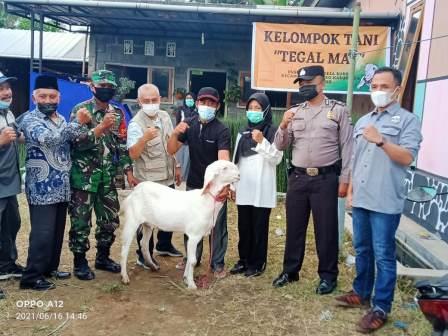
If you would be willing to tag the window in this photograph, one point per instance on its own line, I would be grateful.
(128, 47)
(277, 98)
(171, 49)
(246, 89)
(161, 77)
(149, 48)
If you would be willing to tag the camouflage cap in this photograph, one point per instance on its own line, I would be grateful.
(103, 76)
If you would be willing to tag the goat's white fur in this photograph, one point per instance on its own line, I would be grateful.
(191, 212)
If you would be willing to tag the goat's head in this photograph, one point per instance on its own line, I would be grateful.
(219, 175)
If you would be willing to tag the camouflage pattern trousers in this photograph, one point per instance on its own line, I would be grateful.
(106, 206)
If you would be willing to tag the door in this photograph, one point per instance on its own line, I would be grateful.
(202, 78)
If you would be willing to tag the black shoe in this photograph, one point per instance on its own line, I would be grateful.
(285, 278)
(38, 285)
(104, 263)
(2, 294)
(81, 267)
(13, 272)
(326, 287)
(59, 275)
(238, 268)
(253, 272)
(171, 251)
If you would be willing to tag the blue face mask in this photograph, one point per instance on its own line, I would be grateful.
(4, 104)
(255, 117)
(206, 113)
(189, 102)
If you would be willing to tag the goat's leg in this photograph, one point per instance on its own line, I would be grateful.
(191, 261)
(128, 233)
(144, 243)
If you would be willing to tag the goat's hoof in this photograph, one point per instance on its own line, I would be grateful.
(192, 286)
(155, 267)
(125, 279)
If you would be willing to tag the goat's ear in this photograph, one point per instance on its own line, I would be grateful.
(206, 187)
(208, 180)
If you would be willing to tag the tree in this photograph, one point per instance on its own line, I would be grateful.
(16, 22)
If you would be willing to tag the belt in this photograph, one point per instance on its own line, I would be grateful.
(317, 170)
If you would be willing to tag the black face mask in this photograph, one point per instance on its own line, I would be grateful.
(47, 109)
(104, 94)
(307, 92)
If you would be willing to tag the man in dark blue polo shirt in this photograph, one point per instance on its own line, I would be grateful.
(208, 140)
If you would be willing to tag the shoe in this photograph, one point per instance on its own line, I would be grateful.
(285, 278)
(81, 268)
(352, 300)
(253, 272)
(238, 268)
(13, 272)
(38, 285)
(59, 275)
(141, 262)
(326, 287)
(172, 252)
(104, 263)
(372, 321)
(219, 272)
(2, 294)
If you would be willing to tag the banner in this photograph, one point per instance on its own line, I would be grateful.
(279, 50)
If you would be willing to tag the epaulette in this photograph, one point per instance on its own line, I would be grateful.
(334, 102)
(298, 105)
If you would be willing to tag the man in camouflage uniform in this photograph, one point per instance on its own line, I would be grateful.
(95, 158)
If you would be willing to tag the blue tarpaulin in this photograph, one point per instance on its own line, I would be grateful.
(72, 92)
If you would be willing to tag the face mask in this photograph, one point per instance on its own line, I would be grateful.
(104, 94)
(255, 117)
(382, 98)
(5, 104)
(206, 113)
(47, 109)
(307, 92)
(189, 102)
(151, 109)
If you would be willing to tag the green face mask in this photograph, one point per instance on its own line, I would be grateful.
(189, 102)
(255, 117)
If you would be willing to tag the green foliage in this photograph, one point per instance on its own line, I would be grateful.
(15, 22)
(235, 124)
(125, 85)
(233, 94)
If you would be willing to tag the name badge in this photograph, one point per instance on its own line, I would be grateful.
(395, 119)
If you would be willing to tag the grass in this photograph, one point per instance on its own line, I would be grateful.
(158, 303)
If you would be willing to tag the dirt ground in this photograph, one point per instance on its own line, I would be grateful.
(157, 303)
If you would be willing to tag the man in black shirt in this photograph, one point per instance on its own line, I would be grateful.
(208, 140)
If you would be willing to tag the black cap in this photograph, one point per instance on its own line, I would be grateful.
(46, 82)
(309, 72)
(208, 92)
(4, 79)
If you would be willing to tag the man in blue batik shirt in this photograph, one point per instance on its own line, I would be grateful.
(47, 184)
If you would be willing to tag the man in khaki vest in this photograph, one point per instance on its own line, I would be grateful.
(148, 133)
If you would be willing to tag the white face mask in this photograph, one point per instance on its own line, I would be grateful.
(151, 109)
(382, 98)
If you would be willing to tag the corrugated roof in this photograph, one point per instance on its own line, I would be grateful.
(56, 46)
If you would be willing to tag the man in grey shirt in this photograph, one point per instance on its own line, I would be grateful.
(9, 184)
(386, 143)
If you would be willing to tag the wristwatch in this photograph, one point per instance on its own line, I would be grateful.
(381, 143)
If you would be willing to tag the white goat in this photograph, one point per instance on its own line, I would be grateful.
(191, 212)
